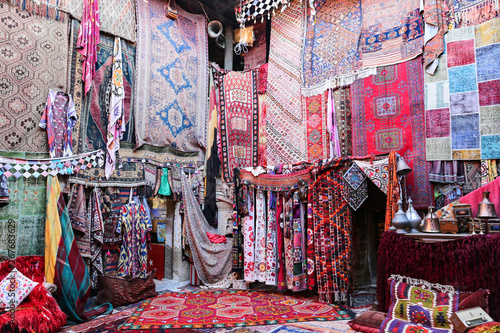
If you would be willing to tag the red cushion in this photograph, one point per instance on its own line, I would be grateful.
(371, 319)
(364, 329)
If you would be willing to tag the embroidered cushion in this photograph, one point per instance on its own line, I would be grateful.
(419, 307)
(14, 288)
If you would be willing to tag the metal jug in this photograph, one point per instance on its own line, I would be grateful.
(431, 222)
(486, 209)
(413, 216)
(400, 221)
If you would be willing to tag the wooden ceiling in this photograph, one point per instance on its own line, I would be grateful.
(220, 10)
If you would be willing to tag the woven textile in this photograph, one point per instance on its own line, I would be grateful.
(239, 123)
(388, 114)
(273, 182)
(392, 32)
(463, 97)
(212, 261)
(74, 84)
(46, 8)
(356, 186)
(205, 309)
(472, 176)
(93, 128)
(332, 233)
(342, 103)
(130, 175)
(470, 13)
(489, 171)
(257, 54)
(117, 16)
(35, 167)
(317, 137)
(88, 38)
(33, 55)
(22, 220)
(330, 56)
(286, 135)
(171, 106)
(436, 25)
(377, 171)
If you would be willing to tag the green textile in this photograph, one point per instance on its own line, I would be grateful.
(165, 186)
(22, 222)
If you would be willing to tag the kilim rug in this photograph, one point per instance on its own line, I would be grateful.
(286, 133)
(330, 58)
(392, 32)
(172, 56)
(318, 143)
(388, 114)
(342, 104)
(92, 132)
(239, 121)
(131, 174)
(204, 309)
(117, 17)
(22, 227)
(257, 54)
(462, 99)
(33, 59)
(156, 155)
(469, 13)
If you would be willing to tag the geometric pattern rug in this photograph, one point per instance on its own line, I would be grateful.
(213, 309)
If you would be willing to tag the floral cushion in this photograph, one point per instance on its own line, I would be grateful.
(418, 308)
(14, 288)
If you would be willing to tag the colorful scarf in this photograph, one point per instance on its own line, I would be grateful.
(260, 236)
(64, 266)
(249, 237)
(271, 264)
(88, 38)
(116, 123)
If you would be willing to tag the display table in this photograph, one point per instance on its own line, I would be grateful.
(433, 237)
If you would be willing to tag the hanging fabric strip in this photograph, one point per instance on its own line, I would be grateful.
(96, 240)
(18, 167)
(249, 237)
(271, 266)
(260, 236)
(270, 182)
(116, 121)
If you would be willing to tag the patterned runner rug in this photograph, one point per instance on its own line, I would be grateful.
(286, 132)
(172, 57)
(388, 114)
(203, 309)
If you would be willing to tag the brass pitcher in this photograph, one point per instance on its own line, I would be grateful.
(431, 222)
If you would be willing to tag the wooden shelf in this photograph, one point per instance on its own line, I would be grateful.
(429, 237)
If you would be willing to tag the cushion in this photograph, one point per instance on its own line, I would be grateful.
(469, 300)
(369, 319)
(14, 288)
(492, 327)
(364, 329)
(420, 306)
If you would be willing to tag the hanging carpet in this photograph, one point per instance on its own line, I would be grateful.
(131, 174)
(467, 13)
(286, 135)
(330, 56)
(172, 61)
(93, 117)
(391, 32)
(204, 309)
(316, 122)
(388, 115)
(33, 59)
(462, 99)
(239, 121)
(212, 261)
(342, 105)
(257, 54)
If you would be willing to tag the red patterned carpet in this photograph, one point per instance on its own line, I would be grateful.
(202, 309)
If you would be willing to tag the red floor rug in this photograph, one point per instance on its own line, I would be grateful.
(204, 309)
